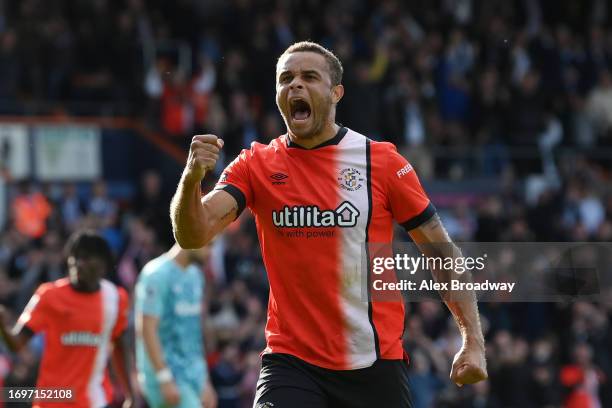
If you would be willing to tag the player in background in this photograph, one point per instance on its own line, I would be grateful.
(170, 355)
(84, 320)
(318, 193)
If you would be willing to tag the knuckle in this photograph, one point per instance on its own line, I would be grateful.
(211, 148)
(207, 138)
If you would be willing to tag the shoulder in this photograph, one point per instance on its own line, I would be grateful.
(46, 290)
(50, 293)
(261, 151)
(112, 287)
(196, 273)
(383, 147)
(387, 155)
(155, 269)
(354, 137)
(381, 154)
(53, 288)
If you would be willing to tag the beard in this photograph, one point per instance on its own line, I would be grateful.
(318, 121)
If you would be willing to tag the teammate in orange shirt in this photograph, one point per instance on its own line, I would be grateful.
(84, 319)
(318, 194)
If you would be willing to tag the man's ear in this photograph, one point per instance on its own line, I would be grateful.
(337, 93)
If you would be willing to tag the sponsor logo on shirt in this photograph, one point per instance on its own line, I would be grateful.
(278, 178)
(404, 170)
(81, 339)
(312, 216)
(187, 309)
(350, 179)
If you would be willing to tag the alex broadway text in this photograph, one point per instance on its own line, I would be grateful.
(453, 284)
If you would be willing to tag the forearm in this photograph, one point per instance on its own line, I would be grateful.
(468, 320)
(187, 214)
(462, 304)
(8, 338)
(14, 339)
(153, 347)
(469, 365)
(434, 242)
(121, 362)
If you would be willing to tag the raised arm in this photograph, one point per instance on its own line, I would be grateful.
(469, 364)
(196, 219)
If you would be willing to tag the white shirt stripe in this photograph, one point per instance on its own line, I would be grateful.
(352, 187)
(110, 312)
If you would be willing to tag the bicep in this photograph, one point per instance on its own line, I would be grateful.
(221, 209)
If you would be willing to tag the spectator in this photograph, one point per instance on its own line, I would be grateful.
(30, 211)
(424, 383)
(599, 107)
(227, 376)
(151, 205)
(583, 379)
(71, 207)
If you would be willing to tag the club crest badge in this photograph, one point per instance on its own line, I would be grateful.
(350, 179)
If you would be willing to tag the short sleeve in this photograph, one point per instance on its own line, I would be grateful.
(235, 181)
(408, 201)
(150, 294)
(38, 311)
(122, 316)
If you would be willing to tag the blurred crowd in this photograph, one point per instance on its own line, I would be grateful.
(467, 86)
(539, 354)
(517, 91)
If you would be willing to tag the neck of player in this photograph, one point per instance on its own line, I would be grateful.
(329, 131)
(179, 256)
(89, 287)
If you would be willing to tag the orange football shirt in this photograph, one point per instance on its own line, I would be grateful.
(79, 329)
(314, 210)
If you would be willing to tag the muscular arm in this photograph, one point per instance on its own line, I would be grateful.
(195, 219)
(433, 241)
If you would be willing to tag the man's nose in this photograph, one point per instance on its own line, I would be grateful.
(296, 83)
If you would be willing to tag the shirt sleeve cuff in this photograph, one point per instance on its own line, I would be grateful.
(419, 219)
(29, 330)
(237, 194)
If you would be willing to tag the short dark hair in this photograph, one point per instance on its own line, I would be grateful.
(334, 64)
(86, 243)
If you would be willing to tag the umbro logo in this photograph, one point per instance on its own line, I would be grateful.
(278, 178)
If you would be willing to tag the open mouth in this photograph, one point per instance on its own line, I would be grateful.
(300, 109)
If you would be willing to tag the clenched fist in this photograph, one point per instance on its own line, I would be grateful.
(203, 155)
(469, 365)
